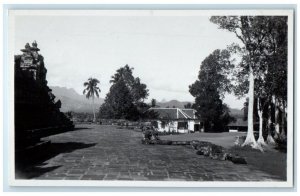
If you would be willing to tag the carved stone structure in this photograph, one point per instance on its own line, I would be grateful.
(37, 115)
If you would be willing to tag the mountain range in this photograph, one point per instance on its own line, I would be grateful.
(72, 101)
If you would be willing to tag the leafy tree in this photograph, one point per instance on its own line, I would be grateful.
(209, 90)
(276, 74)
(91, 90)
(153, 102)
(252, 31)
(118, 103)
(188, 106)
(264, 39)
(137, 89)
(126, 96)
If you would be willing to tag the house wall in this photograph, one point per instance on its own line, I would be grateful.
(191, 124)
(237, 128)
(173, 126)
(169, 126)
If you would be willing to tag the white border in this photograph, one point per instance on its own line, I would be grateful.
(290, 161)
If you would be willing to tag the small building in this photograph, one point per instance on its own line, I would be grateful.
(240, 125)
(176, 120)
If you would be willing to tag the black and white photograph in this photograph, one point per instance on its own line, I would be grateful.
(185, 98)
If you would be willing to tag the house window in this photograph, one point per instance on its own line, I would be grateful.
(163, 124)
(182, 125)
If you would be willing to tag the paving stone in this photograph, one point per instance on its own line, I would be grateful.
(111, 177)
(119, 155)
(72, 177)
(92, 177)
(76, 171)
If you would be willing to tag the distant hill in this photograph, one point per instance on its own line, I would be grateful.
(180, 104)
(72, 101)
(170, 104)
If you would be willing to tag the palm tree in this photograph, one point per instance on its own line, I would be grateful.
(91, 89)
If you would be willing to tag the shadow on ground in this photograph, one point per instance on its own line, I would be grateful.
(30, 165)
(81, 128)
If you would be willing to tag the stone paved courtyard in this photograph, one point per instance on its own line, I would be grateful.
(94, 152)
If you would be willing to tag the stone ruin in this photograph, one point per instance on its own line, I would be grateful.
(37, 114)
(208, 149)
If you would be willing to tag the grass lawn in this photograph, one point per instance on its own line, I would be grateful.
(270, 161)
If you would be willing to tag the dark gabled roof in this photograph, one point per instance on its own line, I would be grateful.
(174, 113)
(238, 123)
(190, 112)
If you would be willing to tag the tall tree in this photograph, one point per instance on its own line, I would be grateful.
(209, 90)
(126, 96)
(263, 65)
(137, 89)
(91, 90)
(188, 105)
(276, 75)
(252, 31)
(118, 103)
(153, 102)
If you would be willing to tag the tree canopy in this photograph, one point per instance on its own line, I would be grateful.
(261, 74)
(125, 99)
(137, 89)
(91, 89)
(209, 90)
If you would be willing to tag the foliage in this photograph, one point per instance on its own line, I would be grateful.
(263, 55)
(91, 88)
(276, 59)
(125, 99)
(80, 117)
(153, 103)
(118, 103)
(138, 90)
(209, 90)
(188, 106)
(214, 70)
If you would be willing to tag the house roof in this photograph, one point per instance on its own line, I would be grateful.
(174, 113)
(190, 112)
(238, 123)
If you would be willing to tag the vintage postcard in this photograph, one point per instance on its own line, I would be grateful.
(151, 98)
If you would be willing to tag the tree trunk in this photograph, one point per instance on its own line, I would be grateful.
(94, 119)
(277, 131)
(270, 139)
(283, 118)
(261, 140)
(250, 140)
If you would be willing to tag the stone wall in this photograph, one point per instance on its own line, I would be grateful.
(36, 113)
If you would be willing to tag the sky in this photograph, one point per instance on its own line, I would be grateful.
(165, 51)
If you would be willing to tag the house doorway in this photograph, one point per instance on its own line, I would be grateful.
(197, 127)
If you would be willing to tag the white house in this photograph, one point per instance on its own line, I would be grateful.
(176, 120)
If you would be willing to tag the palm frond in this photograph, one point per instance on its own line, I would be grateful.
(97, 94)
(98, 89)
(91, 88)
(96, 80)
(88, 95)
